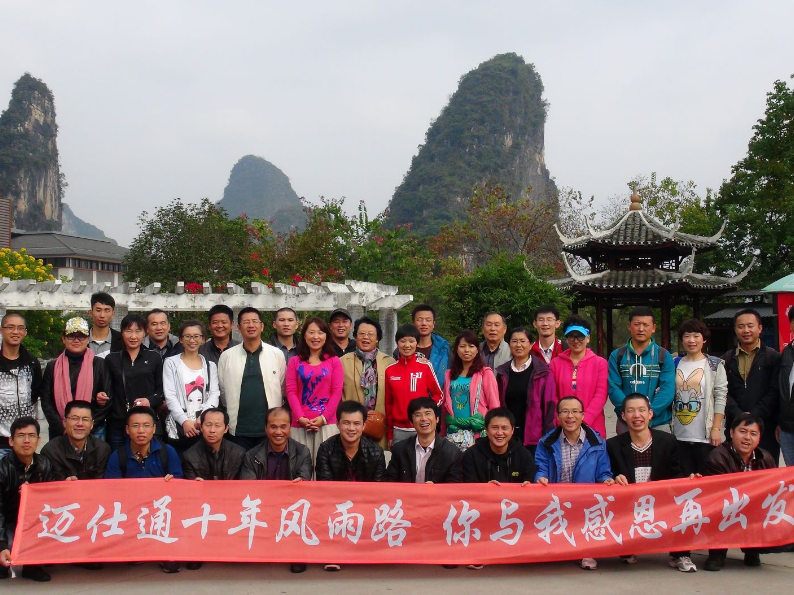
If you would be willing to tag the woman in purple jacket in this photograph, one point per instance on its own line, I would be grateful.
(314, 386)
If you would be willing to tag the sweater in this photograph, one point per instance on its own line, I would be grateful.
(314, 390)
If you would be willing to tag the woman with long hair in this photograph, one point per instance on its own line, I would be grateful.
(470, 391)
(314, 386)
(190, 385)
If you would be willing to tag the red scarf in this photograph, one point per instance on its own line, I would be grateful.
(63, 383)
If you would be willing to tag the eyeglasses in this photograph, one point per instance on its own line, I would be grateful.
(142, 426)
(574, 412)
(575, 338)
(192, 337)
(691, 406)
(11, 328)
(76, 337)
(74, 419)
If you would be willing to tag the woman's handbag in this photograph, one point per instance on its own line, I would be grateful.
(375, 426)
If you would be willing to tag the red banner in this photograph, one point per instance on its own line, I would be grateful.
(785, 301)
(370, 523)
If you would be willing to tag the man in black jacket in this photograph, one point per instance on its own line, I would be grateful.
(278, 457)
(77, 454)
(349, 456)
(642, 455)
(22, 466)
(75, 341)
(428, 459)
(498, 458)
(753, 378)
(786, 429)
(213, 457)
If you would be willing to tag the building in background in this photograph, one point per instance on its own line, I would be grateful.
(73, 257)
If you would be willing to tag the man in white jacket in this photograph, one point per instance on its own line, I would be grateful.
(251, 377)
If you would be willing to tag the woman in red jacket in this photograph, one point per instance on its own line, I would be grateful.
(470, 391)
(580, 373)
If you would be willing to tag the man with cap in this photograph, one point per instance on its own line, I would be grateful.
(76, 374)
(340, 323)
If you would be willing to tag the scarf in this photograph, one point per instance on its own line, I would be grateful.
(369, 377)
(62, 386)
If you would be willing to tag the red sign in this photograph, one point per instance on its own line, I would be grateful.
(785, 301)
(373, 523)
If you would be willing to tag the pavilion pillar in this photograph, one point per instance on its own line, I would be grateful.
(666, 321)
(696, 306)
(610, 342)
(600, 325)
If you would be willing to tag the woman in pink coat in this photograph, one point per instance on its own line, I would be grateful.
(470, 391)
(578, 372)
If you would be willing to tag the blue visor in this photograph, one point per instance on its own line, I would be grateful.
(576, 329)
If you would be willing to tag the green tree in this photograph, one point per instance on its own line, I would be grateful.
(195, 243)
(758, 200)
(505, 284)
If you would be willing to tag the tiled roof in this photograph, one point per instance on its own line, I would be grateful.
(637, 229)
(765, 310)
(645, 279)
(53, 244)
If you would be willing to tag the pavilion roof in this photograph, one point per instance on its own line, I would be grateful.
(647, 279)
(636, 229)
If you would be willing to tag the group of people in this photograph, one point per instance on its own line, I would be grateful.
(522, 406)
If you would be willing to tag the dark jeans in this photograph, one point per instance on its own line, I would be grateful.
(693, 456)
(247, 442)
(182, 444)
(116, 436)
(722, 554)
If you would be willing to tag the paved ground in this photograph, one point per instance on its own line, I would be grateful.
(651, 575)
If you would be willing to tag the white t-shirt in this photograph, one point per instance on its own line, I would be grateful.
(689, 404)
(195, 389)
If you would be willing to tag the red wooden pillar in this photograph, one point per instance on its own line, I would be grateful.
(666, 321)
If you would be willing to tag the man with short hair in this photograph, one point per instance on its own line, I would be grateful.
(285, 338)
(77, 454)
(340, 322)
(21, 466)
(546, 323)
(144, 456)
(428, 459)
(221, 318)
(251, 378)
(76, 374)
(158, 335)
(497, 458)
(642, 366)
(349, 456)
(641, 455)
(20, 377)
(753, 371)
(213, 458)
(103, 339)
(494, 349)
(786, 391)
(431, 345)
(741, 453)
(573, 453)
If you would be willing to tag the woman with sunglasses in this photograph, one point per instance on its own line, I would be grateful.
(580, 373)
(75, 374)
(190, 385)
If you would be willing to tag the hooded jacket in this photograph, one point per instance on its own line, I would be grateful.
(591, 466)
(541, 398)
(592, 379)
(481, 464)
(20, 387)
(642, 374)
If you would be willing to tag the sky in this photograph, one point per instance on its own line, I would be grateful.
(158, 100)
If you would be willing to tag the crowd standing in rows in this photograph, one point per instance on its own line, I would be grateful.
(521, 406)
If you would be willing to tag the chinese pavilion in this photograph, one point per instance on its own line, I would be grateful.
(639, 261)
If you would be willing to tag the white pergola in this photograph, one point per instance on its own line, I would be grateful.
(358, 297)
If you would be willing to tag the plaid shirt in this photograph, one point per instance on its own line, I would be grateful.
(570, 452)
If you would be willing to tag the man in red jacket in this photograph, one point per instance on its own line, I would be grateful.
(548, 346)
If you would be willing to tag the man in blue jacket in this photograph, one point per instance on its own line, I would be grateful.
(572, 453)
(642, 366)
(144, 456)
(434, 347)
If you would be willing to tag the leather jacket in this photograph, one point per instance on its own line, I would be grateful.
(300, 462)
(369, 464)
(12, 476)
(199, 461)
(65, 461)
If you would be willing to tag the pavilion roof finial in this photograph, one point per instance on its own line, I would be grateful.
(636, 201)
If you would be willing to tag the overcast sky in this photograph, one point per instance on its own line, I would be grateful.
(157, 100)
